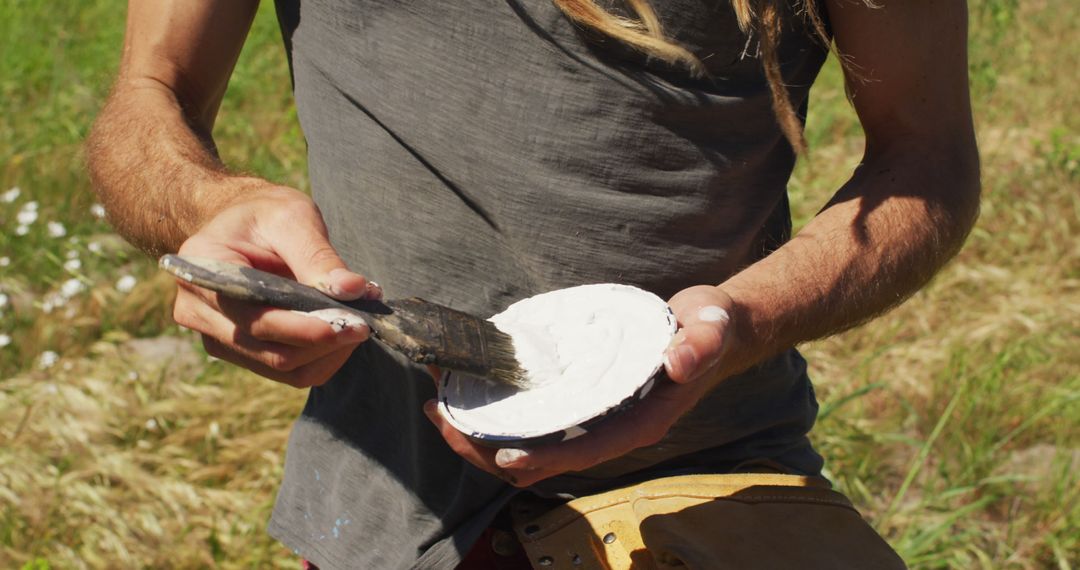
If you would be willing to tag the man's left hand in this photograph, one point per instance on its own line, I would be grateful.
(695, 362)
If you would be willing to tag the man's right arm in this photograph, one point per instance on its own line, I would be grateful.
(155, 167)
(151, 155)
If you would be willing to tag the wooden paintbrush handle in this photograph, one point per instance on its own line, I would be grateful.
(249, 284)
(424, 332)
(411, 326)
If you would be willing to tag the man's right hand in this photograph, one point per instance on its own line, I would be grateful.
(156, 169)
(280, 230)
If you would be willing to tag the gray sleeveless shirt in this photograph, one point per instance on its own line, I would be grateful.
(476, 152)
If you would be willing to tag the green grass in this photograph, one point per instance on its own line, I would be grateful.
(952, 422)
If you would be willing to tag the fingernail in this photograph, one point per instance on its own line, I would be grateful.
(374, 291)
(507, 456)
(685, 359)
(713, 314)
(335, 284)
(430, 409)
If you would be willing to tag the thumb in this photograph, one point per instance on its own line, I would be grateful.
(700, 343)
(311, 258)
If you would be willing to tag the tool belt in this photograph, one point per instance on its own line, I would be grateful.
(703, 522)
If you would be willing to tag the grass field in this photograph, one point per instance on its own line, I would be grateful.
(953, 422)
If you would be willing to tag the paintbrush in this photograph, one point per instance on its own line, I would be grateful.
(427, 333)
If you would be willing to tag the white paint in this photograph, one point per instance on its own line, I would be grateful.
(713, 314)
(508, 455)
(339, 319)
(585, 350)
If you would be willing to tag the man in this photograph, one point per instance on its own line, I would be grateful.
(475, 153)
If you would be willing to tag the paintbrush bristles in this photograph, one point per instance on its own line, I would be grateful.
(503, 365)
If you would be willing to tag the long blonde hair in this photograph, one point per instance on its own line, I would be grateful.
(760, 17)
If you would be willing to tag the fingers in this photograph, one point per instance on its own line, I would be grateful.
(704, 315)
(314, 261)
(479, 456)
(292, 328)
(275, 229)
(285, 346)
(697, 348)
(314, 373)
(643, 425)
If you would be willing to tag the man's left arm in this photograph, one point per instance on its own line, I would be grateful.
(906, 210)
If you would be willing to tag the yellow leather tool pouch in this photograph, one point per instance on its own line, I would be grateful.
(695, 522)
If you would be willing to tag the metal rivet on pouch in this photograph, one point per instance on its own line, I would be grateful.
(609, 538)
(576, 560)
(546, 561)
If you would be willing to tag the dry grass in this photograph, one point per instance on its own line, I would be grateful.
(143, 454)
(952, 421)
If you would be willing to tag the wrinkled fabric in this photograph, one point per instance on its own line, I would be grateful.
(477, 152)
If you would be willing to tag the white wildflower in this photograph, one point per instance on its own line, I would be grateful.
(71, 287)
(5, 261)
(151, 424)
(57, 230)
(31, 205)
(132, 376)
(3, 300)
(67, 366)
(11, 195)
(5, 339)
(51, 389)
(72, 265)
(27, 216)
(125, 284)
(22, 230)
(97, 210)
(48, 359)
(94, 247)
(71, 254)
(215, 429)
